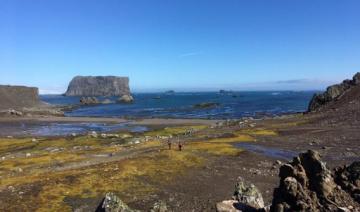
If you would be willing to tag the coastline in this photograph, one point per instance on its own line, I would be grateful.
(74, 172)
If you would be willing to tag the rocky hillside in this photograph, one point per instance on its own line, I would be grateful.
(16, 97)
(335, 93)
(98, 86)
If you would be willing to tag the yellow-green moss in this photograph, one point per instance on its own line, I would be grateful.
(175, 130)
(214, 148)
(236, 138)
(120, 176)
(260, 131)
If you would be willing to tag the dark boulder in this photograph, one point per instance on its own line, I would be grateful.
(206, 105)
(89, 101)
(348, 177)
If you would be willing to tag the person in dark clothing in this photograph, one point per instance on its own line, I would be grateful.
(169, 143)
(180, 146)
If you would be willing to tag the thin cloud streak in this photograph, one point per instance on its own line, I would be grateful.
(189, 54)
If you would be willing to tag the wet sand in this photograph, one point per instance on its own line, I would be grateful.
(20, 126)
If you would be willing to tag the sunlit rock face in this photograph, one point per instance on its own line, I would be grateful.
(98, 86)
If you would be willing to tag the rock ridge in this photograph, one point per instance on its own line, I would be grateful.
(17, 97)
(333, 93)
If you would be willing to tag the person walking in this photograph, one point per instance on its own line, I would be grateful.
(169, 143)
(180, 145)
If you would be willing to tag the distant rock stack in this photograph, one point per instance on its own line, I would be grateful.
(98, 86)
(333, 93)
(17, 97)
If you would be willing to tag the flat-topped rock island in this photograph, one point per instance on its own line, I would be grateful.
(98, 86)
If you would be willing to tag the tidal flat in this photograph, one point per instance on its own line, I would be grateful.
(74, 172)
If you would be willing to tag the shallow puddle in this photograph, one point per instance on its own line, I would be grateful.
(267, 151)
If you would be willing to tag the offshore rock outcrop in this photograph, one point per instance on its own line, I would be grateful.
(17, 97)
(98, 86)
(89, 101)
(126, 99)
(333, 93)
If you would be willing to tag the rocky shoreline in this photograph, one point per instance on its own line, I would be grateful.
(146, 171)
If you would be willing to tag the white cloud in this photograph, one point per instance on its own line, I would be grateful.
(52, 90)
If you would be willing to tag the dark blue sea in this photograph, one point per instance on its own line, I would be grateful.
(181, 105)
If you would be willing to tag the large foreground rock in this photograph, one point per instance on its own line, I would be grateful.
(112, 203)
(348, 177)
(17, 97)
(98, 86)
(306, 184)
(246, 198)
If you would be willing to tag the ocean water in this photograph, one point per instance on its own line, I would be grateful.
(181, 105)
(66, 128)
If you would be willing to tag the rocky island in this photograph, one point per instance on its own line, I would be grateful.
(98, 86)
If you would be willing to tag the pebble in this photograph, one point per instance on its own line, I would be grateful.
(11, 188)
(343, 209)
(93, 134)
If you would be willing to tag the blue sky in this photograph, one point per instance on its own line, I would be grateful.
(180, 44)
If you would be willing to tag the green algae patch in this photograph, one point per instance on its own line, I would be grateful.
(12, 145)
(234, 139)
(215, 148)
(38, 161)
(129, 177)
(260, 132)
(175, 130)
